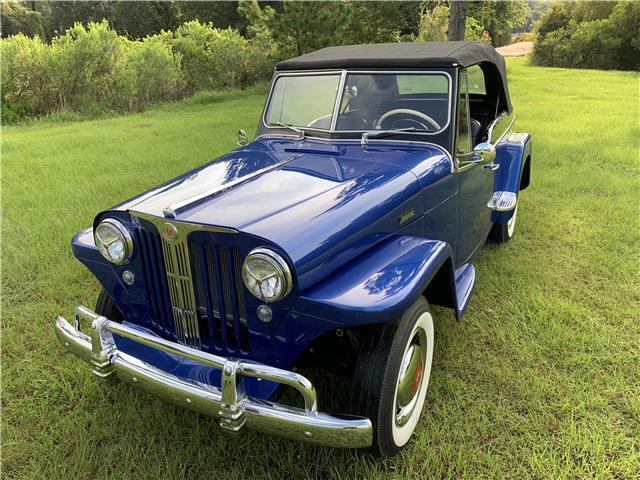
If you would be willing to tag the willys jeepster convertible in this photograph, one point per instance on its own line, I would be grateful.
(376, 174)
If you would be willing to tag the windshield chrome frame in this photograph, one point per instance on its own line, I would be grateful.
(340, 94)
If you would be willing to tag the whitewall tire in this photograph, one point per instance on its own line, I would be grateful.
(503, 232)
(392, 376)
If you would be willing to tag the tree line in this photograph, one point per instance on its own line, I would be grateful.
(344, 21)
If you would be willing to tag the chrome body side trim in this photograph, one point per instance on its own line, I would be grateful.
(230, 403)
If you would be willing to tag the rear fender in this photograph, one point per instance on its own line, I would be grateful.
(381, 284)
(514, 158)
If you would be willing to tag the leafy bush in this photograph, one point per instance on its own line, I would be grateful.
(26, 76)
(147, 72)
(212, 58)
(91, 69)
(607, 43)
(82, 63)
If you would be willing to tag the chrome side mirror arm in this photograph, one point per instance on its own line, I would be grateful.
(483, 153)
(242, 138)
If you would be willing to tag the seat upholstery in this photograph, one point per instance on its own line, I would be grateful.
(476, 130)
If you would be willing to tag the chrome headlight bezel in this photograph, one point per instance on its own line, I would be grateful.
(280, 268)
(122, 234)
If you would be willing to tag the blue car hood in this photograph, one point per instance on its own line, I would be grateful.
(322, 203)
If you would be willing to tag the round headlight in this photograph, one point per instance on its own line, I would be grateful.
(114, 241)
(266, 275)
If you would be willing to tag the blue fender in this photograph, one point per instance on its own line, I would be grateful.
(514, 158)
(382, 283)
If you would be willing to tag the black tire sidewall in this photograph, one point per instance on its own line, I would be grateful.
(375, 377)
(106, 307)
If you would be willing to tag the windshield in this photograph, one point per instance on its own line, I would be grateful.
(414, 102)
(303, 101)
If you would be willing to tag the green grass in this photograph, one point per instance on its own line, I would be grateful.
(540, 380)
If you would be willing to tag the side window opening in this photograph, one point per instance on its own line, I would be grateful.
(463, 137)
(475, 80)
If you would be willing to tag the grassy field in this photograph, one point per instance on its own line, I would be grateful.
(540, 380)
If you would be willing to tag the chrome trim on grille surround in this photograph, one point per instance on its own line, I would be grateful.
(229, 403)
(184, 277)
(175, 252)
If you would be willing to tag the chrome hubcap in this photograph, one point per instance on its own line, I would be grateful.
(411, 377)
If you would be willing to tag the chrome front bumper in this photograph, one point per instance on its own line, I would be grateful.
(229, 403)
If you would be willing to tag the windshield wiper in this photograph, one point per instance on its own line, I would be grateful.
(385, 133)
(299, 131)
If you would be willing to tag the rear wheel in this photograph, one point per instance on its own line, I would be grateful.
(106, 307)
(503, 232)
(392, 375)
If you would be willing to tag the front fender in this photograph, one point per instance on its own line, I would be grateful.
(378, 285)
(514, 158)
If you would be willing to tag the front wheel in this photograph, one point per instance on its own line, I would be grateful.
(106, 307)
(392, 375)
(503, 232)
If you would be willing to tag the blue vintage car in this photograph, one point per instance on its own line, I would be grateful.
(376, 175)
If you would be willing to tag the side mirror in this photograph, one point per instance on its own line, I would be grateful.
(485, 152)
(242, 138)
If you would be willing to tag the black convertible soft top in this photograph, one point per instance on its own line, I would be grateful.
(407, 55)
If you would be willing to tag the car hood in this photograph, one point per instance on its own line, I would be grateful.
(322, 203)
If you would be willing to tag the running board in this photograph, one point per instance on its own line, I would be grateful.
(465, 281)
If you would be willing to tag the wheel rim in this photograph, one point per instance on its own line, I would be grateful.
(411, 377)
(511, 224)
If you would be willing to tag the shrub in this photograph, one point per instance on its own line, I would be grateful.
(26, 75)
(147, 72)
(82, 63)
(606, 43)
(215, 58)
(92, 69)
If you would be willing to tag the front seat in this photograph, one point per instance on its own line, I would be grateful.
(476, 129)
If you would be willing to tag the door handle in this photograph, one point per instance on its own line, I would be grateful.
(491, 166)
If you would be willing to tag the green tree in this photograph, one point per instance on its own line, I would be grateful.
(586, 39)
(561, 13)
(499, 18)
(218, 14)
(258, 19)
(434, 23)
(307, 26)
(376, 22)
(139, 19)
(60, 16)
(17, 18)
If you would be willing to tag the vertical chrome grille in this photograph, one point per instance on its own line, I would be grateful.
(183, 302)
(194, 288)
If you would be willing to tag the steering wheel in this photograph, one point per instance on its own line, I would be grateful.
(413, 113)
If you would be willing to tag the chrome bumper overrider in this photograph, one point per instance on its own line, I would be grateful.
(229, 403)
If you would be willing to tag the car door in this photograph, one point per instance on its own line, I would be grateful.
(475, 183)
